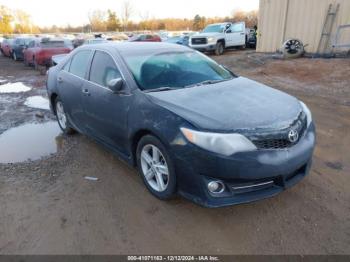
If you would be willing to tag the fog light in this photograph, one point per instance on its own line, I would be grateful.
(216, 187)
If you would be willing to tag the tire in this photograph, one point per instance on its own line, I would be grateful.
(62, 120)
(219, 49)
(25, 61)
(157, 167)
(35, 64)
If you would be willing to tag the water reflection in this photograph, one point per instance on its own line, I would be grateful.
(28, 142)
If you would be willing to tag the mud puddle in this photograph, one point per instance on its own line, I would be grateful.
(37, 102)
(17, 87)
(28, 142)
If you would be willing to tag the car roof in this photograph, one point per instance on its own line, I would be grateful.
(140, 48)
(224, 23)
(24, 37)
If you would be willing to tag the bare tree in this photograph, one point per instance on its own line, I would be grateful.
(127, 10)
(97, 20)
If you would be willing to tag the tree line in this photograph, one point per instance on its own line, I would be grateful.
(17, 21)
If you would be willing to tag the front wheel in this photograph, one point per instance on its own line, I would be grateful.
(62, 117)
(156, 168)
(219, 49)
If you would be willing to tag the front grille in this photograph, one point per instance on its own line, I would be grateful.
(251, 187)
(272, 143)
(280, 139)
(199, 41)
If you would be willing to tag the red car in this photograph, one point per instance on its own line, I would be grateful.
(40, 51)
(6, 47)
(145, 38)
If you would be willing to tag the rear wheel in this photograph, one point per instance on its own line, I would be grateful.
(219, 49)
(36, 66)
(62, 117)
(156, 168)
(25, 61)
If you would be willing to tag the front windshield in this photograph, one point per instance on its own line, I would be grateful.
(174, 69)
(173, 39)
(214, 29)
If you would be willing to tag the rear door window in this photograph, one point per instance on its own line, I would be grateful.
(238, 27)
(80, 63)
(103, 69)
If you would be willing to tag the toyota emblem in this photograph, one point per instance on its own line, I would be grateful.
(293, 136)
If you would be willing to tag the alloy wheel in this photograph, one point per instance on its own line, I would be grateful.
(154, 168)
(61, 115)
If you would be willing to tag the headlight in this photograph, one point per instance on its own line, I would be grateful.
(307, 113)
(211, 39)
(225, 144)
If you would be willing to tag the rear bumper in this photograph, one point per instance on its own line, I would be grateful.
(44, 61)
(247, 177)
(19, 54)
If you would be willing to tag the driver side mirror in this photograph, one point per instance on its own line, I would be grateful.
(115, 85)
(228, 31)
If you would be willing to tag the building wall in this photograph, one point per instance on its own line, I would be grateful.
(280, 20)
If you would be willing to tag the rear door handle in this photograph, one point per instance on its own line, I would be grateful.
(242, 33)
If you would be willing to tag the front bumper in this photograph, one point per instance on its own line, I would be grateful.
(204, 48)
(247, 176)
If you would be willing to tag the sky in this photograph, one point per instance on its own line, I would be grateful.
(75, 12)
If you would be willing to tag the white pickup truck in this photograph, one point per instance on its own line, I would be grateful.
(217, 37)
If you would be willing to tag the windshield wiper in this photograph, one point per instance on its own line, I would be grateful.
(207, 82)
(165, 88)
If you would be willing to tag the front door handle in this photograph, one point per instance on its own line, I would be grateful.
(59, 79)
(86, 92)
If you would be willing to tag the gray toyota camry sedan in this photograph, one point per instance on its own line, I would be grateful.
(189, 125)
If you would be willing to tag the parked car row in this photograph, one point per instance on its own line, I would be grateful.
(35, 51)
(38, 51)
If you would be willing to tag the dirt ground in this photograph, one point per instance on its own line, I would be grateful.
(47, 207)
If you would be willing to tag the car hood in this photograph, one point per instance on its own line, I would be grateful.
(238, 104)
(200, 35)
